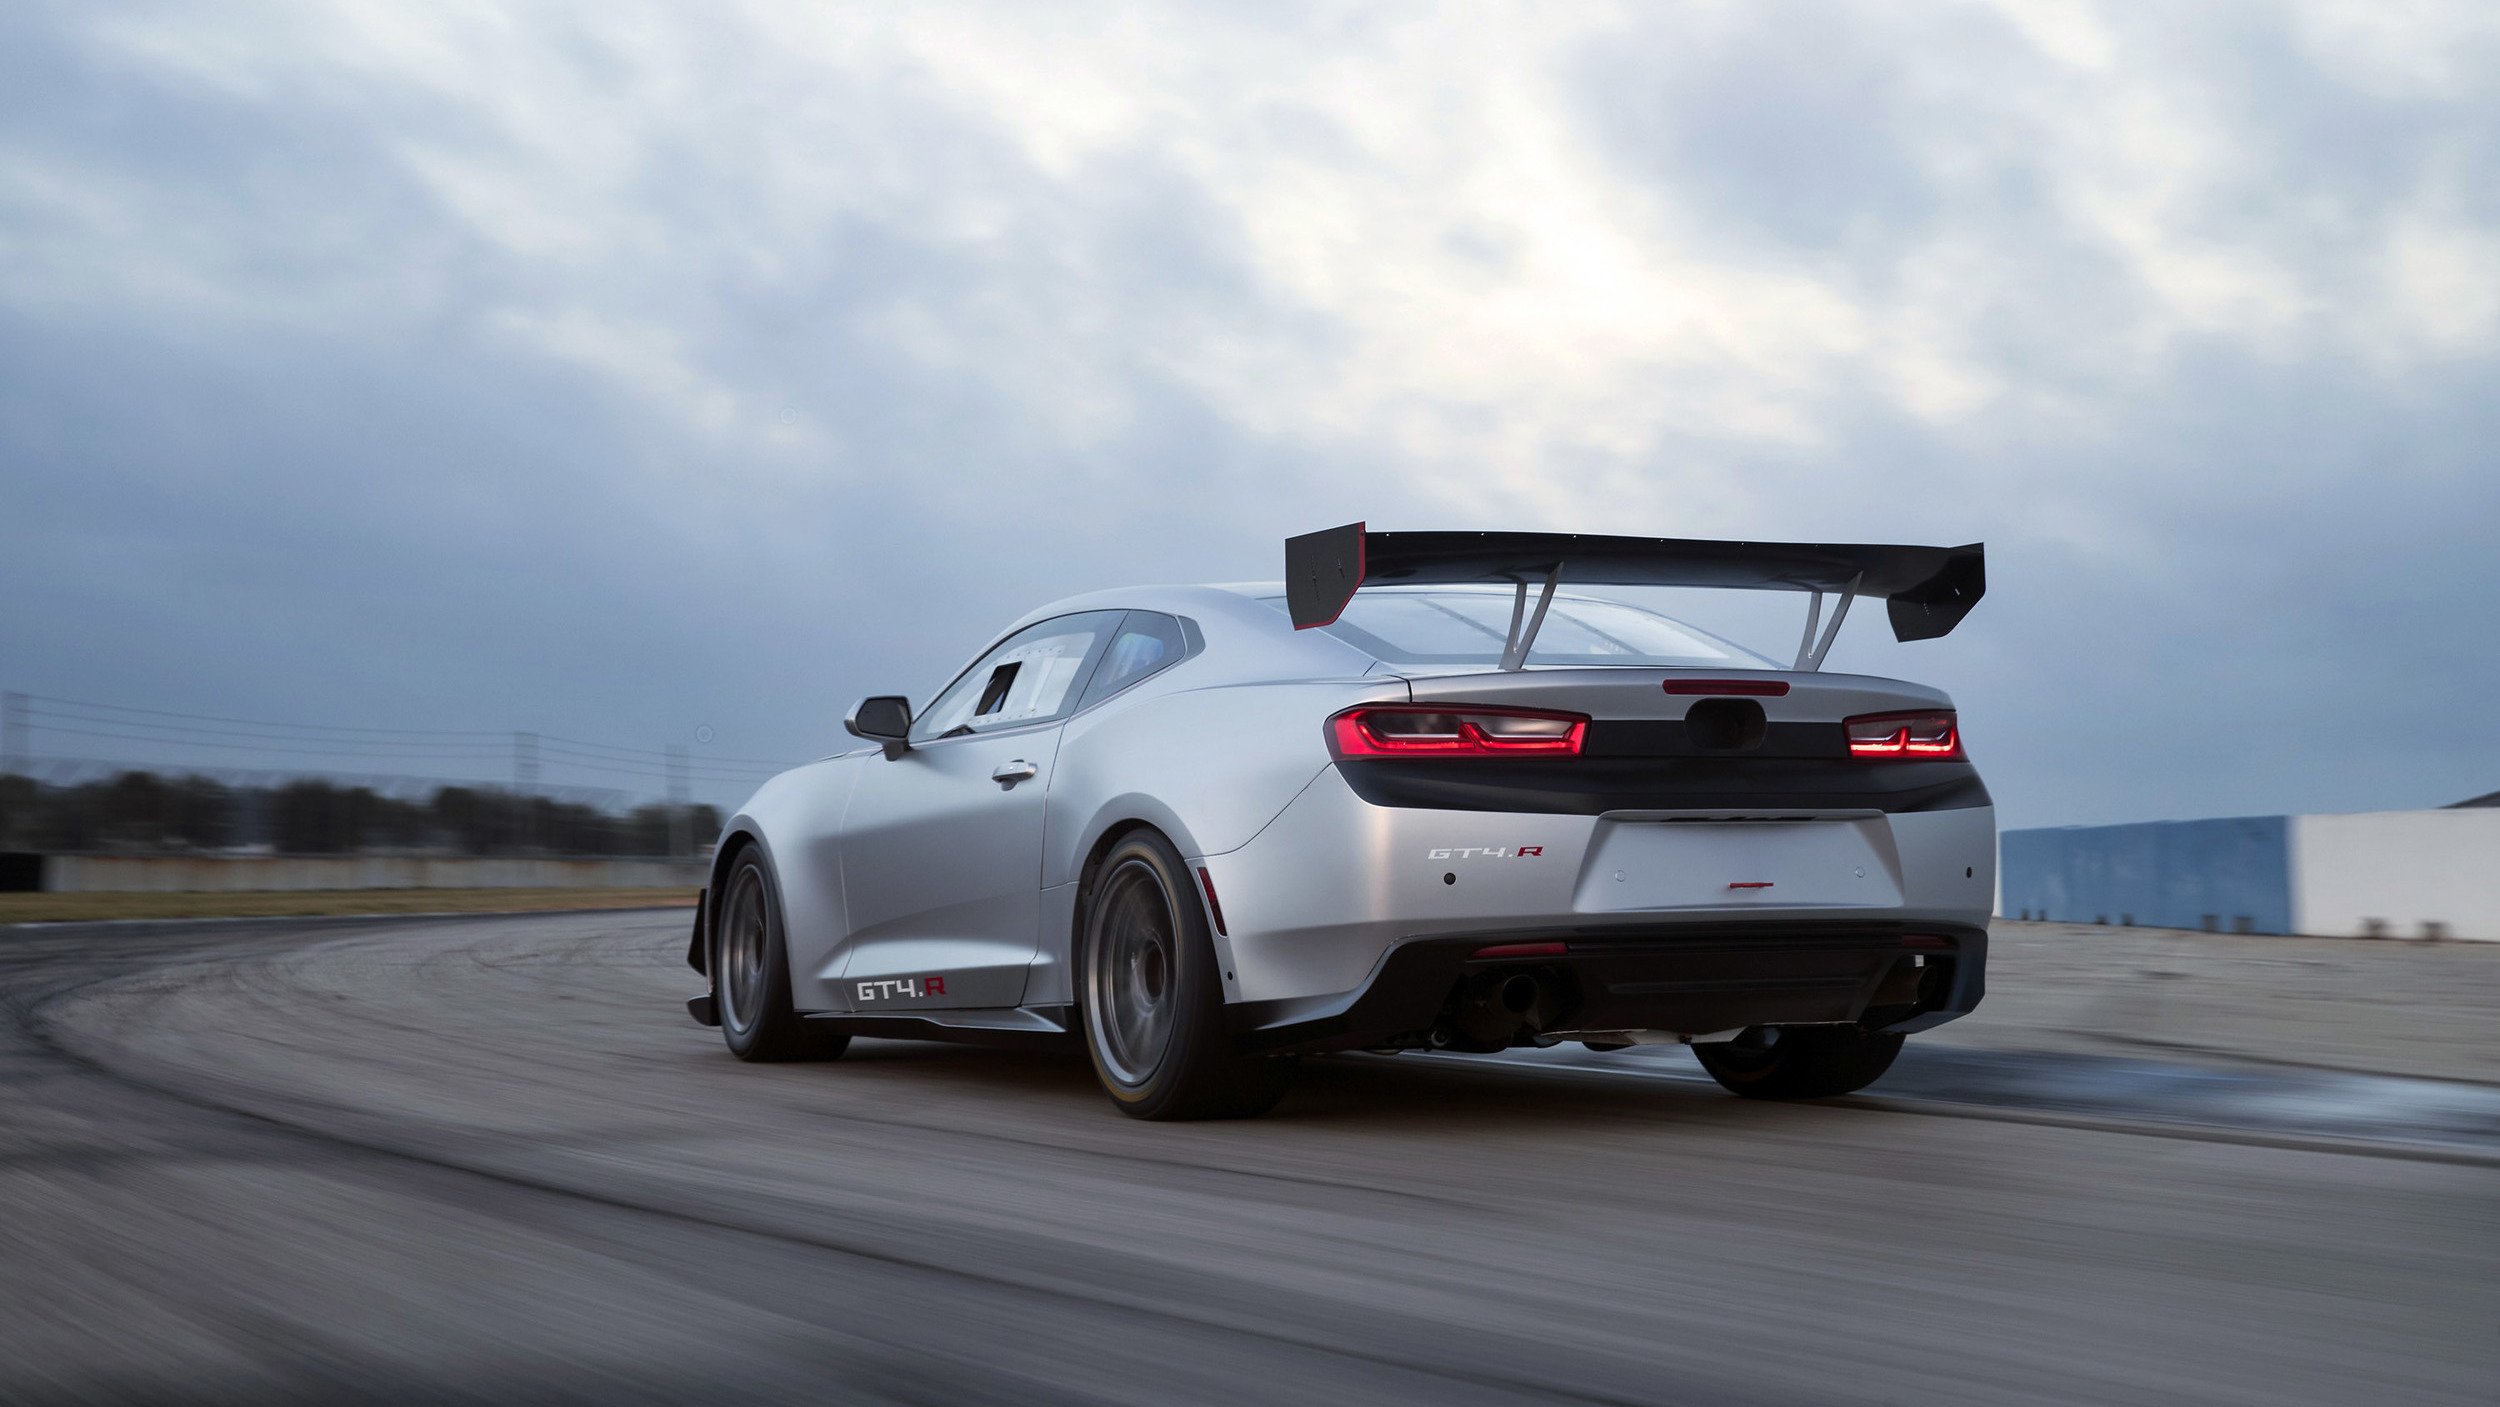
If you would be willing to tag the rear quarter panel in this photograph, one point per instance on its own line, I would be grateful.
(1209, 767)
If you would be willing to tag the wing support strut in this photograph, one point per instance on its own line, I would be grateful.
(1810, 651)
(1515, 647)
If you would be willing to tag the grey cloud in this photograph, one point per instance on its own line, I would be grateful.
(318, 443)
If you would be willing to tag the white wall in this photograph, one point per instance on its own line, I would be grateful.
(2400, 868)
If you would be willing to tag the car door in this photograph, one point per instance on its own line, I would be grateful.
(941, 847)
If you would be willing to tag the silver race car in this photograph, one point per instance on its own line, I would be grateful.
(1434, 792)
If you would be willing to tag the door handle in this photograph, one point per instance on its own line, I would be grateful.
(1007, 774)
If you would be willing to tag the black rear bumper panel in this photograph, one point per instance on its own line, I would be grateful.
(1687, 979)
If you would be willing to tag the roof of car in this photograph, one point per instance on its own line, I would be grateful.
(1256, 636)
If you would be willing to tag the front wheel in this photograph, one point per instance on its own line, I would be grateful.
(1151, 1000)
(1799, 1062)
(751, 974)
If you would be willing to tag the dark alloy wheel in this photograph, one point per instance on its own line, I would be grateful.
(1150, 998)
(751, 973)
(1799, 1062)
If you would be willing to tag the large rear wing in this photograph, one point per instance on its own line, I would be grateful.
(1926, 590)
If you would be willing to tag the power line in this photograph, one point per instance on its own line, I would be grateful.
(251, 734)
(772, 762)
(637, 764)
(680, 821)
(308, 749)
(431, 752)
(69, 770)
(524, 778)
(422, 737)
(133, 731)
(267, 723)
(13, 735)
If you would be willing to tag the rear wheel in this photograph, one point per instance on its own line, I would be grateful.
(751, 974)
(1151, 1000)
(1799, 1062)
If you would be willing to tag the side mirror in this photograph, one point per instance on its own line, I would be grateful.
(882, 718)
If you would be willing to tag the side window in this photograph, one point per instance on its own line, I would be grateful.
(1144, 643)
(1031, 677)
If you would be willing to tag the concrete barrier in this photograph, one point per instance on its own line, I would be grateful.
(2228, 875)
(2383, 874)
(162, 874)
(2398, 874)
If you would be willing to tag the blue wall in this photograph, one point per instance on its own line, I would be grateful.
(2163, 874)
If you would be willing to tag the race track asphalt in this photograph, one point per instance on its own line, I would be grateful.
(490, 1159)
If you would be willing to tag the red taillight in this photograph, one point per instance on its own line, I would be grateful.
(1750, 688)
(1215, 907)
(1432, 731)
(1520, 950)
(1904, 736)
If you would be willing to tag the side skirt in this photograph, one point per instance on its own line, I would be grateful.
(1038, 1028)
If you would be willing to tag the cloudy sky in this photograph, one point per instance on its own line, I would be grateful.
(617, 371)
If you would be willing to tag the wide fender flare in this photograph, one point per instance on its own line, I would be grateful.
(1123, 812)
(741, 830)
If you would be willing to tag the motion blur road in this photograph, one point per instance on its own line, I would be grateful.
(490, 1158)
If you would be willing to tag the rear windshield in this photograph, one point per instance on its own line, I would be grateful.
(1458, 626)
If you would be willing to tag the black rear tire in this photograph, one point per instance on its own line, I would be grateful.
(751, 972)
(1151, 998)
(1800, 1062)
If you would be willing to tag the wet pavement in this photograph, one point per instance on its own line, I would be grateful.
(2288, 1103)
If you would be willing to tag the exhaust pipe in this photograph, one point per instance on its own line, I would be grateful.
(1496, 1010)
(1519, 994)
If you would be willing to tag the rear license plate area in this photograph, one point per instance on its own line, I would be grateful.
(1737, 865)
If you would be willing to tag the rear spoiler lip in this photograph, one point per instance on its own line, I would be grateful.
(1927, 590)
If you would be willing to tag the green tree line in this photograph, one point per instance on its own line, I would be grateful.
(144, 812)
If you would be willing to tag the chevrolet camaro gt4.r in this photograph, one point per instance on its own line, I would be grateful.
(1435, 791)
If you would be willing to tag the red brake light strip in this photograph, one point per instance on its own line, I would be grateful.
(1522, 950)
(1454, 731)
(1752, 688)
(1904, 735)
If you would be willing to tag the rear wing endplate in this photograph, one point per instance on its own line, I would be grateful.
(1926, 590)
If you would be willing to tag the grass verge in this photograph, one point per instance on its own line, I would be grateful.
(293, 903)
